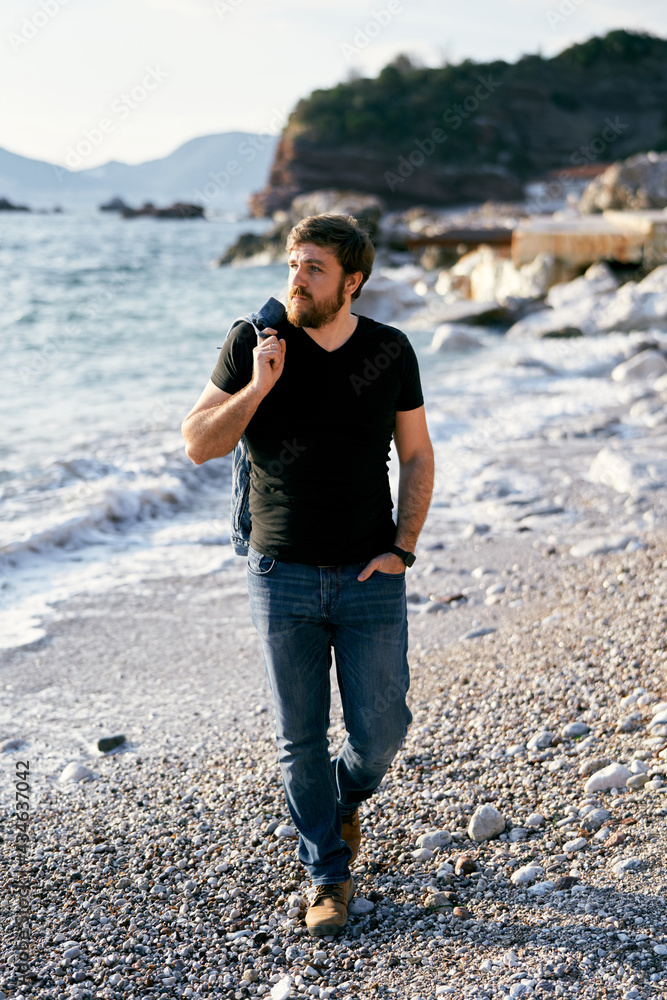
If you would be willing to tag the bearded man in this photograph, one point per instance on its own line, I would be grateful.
(318, 401)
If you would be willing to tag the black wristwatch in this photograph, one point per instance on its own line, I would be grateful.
(407, 557)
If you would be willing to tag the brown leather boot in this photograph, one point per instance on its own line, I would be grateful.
(351, 834)
(327, 914)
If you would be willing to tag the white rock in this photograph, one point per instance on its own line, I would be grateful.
(510, 959)
(526, 874)
(284, 831)
(486, 822)
(454, 337)
(71, 953)
(541, 888)
(639, 767)
(629, 467)
(517, 834)
(637, 781)
(659, 719)
(444, 870)
(515, 748)
(76, 772)
(282, 989)
(613, 776)
(574, 729)
(660, 949)
(626, 865)
(422, 854)
(541, 740)
(572, 846)
(434, 838)
(646, 364)
(598, 279)
(599, 545)
(387, 298)
(360, 905)
(535, 819)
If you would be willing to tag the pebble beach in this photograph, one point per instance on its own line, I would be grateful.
(492, 864)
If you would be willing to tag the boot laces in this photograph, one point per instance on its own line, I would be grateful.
(335, 891)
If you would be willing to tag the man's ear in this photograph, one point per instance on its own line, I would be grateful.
(352, 281)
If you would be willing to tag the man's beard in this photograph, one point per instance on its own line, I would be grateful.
(302, 311)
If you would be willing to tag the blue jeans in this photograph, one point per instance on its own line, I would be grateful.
(301, 612)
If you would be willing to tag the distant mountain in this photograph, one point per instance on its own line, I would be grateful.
(218, 171)
(473, 131)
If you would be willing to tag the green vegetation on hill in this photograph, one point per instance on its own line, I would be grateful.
(406, 102)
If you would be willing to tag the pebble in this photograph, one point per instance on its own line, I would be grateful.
(284, 831)
(541, 740)
(422, 854)
(613, 776)
(12, 744)
(526, 874)
(486, 822)
(75, 772)
(637, 781)
(594, 819)
(535, 820)
(434, 838)
(360, 905)
(282, 989)
(574, 729)
(592, 765)
(572, 846)
(626, 865)
(541, 888)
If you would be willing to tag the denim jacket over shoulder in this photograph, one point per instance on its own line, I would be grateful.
(239, 519)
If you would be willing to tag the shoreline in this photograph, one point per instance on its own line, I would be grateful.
(580, 641)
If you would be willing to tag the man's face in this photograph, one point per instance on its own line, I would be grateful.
(316, 288)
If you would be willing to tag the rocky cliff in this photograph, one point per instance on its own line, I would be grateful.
(474, 131)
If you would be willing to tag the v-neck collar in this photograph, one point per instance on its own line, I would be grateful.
(336, 350)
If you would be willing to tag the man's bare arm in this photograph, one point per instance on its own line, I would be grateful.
(216, 422)
(415, 486)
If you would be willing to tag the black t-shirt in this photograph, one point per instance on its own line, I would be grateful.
(319, 441)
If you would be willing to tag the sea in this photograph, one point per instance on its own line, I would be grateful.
(110, 329)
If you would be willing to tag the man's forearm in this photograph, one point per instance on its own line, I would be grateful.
(215, 431)
(415, 486)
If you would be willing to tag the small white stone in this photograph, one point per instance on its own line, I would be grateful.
(510, 959)
(626, 865)
(654, 785)
(541, 740)
(574, 729)
(434, 838)
(517, 834)
(535, 819)
(282, 989)
(75, 772)
(284, 831)
(572, 846)
(486, 822)
(310, 971)
(637, 781)
(660, 949)
(541, 888)
(613, 776)
(360, 905)
(422, 854)
(515, 748)
(73, 952)
(639, 767)
(526, 874)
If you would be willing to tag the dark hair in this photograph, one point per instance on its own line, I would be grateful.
(341, 234)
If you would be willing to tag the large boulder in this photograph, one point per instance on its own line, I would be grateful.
(636, 183)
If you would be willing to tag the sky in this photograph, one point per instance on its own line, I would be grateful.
(132, 80)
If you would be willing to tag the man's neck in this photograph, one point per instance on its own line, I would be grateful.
(336, 333)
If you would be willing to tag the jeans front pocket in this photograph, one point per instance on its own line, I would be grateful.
(259, 564)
